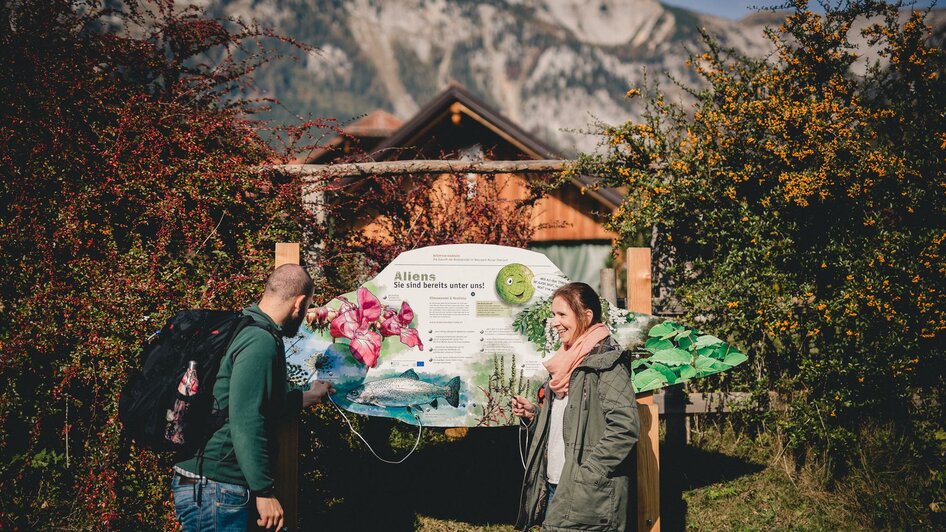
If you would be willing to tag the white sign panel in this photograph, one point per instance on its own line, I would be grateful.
(431, 337)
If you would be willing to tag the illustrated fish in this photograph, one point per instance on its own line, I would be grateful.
(405, 390)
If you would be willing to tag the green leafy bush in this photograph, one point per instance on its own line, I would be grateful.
(801, 203)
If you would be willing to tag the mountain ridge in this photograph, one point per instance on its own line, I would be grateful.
(552, 66)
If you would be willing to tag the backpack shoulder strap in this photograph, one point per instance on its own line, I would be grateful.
(246, 321)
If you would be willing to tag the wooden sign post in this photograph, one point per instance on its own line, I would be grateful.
(639, 294)
(286, 471)
(609, 287)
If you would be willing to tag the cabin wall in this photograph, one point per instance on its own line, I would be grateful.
(565, 215)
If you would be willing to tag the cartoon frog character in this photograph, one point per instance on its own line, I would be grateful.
(514, 284)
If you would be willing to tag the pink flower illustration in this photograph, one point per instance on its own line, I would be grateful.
(364, 323)
(354, 322)
(319, 317)
(396, 324)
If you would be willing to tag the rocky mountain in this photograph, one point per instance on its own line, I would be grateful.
(553, 66)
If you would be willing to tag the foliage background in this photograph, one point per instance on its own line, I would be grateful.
(800, 203)
(131, 190)
(128, 193)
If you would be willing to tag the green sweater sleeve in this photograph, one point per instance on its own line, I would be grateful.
(253, 399)
(293, 403)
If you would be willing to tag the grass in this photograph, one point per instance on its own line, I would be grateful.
(724, 480)
(767, 493)
(430, 524)
(767, 500)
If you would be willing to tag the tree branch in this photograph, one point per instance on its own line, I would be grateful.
(421, 167)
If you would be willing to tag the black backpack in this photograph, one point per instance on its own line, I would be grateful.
(199, 335)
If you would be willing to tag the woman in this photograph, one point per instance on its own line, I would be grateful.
(584, 426)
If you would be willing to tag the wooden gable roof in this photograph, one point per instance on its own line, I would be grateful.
(458, 125)
(455, 120)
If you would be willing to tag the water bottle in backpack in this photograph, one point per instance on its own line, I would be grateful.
(186, 389)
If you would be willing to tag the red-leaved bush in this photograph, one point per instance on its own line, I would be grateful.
(129, 191)
(132, 189)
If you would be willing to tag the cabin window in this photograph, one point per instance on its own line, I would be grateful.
(578, 260)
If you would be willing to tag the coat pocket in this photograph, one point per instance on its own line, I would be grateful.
(593, 503)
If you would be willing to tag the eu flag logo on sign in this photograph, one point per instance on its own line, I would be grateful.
(420, 363)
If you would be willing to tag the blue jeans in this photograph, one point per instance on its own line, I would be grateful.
(551, 488)
(223, 507)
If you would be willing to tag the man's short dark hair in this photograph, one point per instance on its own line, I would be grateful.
(289, 281)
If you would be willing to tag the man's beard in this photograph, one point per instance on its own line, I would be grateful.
(291, 327)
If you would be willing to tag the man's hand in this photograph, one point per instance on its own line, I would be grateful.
(523, 408)
(316, 392)
(270, 513)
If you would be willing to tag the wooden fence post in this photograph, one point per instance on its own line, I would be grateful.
(286, 472)
(609, 287)
(639, 294)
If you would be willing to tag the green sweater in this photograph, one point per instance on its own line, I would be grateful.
(252, 384)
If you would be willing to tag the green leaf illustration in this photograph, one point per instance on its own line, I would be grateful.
(657, 344)
(708, 351)
(672, 357)
(704, 363)
(707, 340)
(649, 379)
(734, 358)
(668, 373)
(664, 330)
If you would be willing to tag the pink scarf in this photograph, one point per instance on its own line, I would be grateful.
(564, 361)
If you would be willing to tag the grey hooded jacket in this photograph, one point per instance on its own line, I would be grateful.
(600, 429)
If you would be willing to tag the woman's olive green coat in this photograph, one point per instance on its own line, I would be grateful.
(600, 428)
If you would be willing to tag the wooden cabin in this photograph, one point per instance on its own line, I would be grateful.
(458, 125)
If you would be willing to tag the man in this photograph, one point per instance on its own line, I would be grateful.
(214, 489)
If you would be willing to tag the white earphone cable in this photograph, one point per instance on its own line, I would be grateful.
(420, 428)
